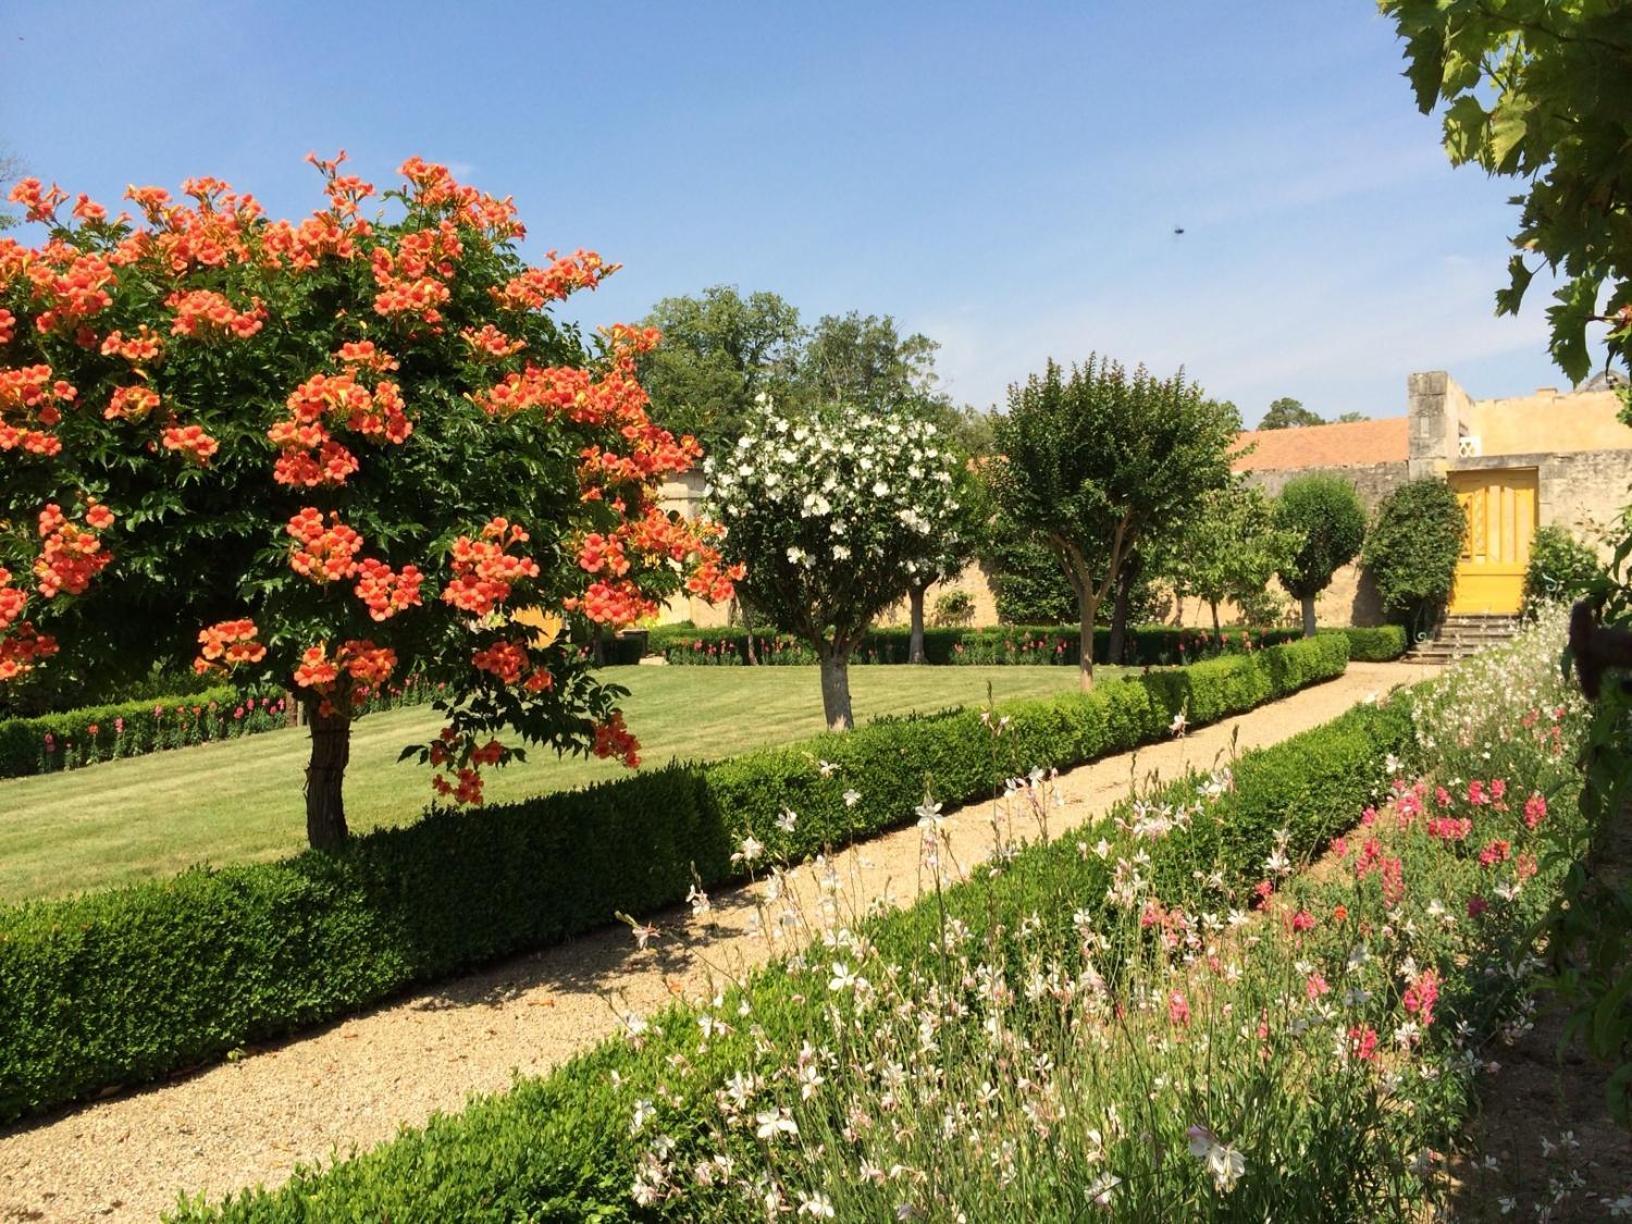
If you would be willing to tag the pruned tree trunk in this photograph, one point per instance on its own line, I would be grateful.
(1118, 644)
(1214, 604)
(835, 669)
(1308, 616)
(1085, 667)
(325, 778)
(915, 643)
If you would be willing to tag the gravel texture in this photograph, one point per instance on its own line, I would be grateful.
(353, 1084)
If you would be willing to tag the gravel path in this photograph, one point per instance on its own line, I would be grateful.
(353, 1084)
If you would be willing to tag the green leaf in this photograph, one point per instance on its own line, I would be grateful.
(1577, 304)
(1519, 275)
(1467, 130)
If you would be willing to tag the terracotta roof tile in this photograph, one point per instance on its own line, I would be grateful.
(1353, 444)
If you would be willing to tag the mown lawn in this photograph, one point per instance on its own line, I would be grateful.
(236, 801)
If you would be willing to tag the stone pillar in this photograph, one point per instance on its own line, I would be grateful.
(1434, 407)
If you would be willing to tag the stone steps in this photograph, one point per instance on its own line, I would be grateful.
(1460, 636)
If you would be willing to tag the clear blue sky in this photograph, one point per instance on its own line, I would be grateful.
(1004, 177)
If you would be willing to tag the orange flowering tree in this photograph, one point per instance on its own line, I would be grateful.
(326, 453)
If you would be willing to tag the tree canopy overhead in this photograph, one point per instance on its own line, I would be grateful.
(1288, 413)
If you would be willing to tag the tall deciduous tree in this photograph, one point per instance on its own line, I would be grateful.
(1412, 549)
(833, 512)
(328, 453)
(1327, 522)
(720, 351)
(1288, 413)
(1096, 460)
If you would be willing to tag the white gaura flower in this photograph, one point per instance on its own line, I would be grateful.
(817, 1205)
(1224, 1164)
(929, 814)
(643, 1114)
(752, 848)
(787, 820)
(851, 798)
(774, 1122)
(844, 978)
(1178, 725)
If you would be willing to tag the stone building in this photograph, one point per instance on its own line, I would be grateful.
(1517, 463)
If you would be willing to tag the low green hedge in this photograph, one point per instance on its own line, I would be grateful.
(559, 1147)
(86, 736)
(126, 985)
(1148, 645)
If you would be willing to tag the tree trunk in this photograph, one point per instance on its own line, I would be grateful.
(835, 667)
(1118, 644)
(1216, 629)
(325, 776)
(915, 644)
(1085, 668)
(1308, 616)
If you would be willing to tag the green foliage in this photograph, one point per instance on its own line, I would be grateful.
(1561, 568)
(1228, 549)
(719, 351)
(1412, 549)
(559, 1147)
(1288, 413)
(953, 609)
(1026, 578)
(126, 985)
(1538, 90)
(1374, 645)
(1329, 524)
(1097, 461)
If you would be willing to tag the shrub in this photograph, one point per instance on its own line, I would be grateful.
(560, 1147)
(1561, 569)
(125, 985)
(1413, 547)
(954, 609)
(1374, 645)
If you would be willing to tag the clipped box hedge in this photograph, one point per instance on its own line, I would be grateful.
(126, 985)
(1148, 645)
(559, 1147)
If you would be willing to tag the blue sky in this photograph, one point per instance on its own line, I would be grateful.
(1004, 177)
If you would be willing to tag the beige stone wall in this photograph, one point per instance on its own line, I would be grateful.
(1559, 423)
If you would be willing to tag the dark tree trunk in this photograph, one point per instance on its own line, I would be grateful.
(1118, 644)
(597, 646)
(1308, 616)
(915, 644)
(835, 668)
(1216, 629)
(325, 777)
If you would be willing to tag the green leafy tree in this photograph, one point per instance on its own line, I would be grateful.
(1229, 549)
(1027, 583)
(1538, 91)
(1288, 413)
(959, 539)
(1095, 461)
(1412, 549)
(1350, 418)
(865, 360)
(1328, 523)
(720, 350)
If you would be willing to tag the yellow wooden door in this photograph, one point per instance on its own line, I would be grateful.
(1500, 509)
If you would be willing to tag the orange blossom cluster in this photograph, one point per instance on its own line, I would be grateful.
(226, 645)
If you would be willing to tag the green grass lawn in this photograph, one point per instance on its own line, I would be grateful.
(241, 800)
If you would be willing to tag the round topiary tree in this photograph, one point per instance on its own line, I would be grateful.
(1328, 525)
(1412, 549)
(325, 454)
(834, 514)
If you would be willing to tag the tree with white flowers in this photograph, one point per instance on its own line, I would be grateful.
(835, 513)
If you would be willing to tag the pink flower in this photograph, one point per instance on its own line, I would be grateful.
(1369, 816)
(1498, 789)
(1535, 809)
(1421, 996)
(1498, 851)
(1477, 906)
(1316, 986)
(1363, 1042)
(1178, 1008)
(1476, 792)
(1302, 921)
(119, 726)
(1340, 847)
(1442, 796)
(93, 730)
